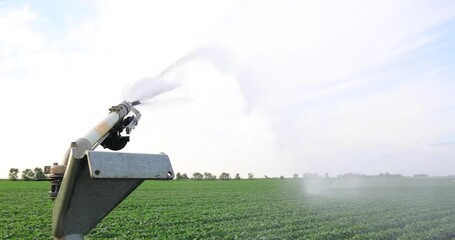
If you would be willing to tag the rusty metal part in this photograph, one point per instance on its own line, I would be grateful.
(56, 173)
(102, 128)
(57, 169)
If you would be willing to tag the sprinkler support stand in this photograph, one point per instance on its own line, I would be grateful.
(94, 183)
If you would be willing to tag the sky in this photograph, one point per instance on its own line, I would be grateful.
(272, 88)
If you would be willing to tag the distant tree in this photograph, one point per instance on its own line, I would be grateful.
(225, 176)
(28, 174)
(250, 176)
(178, 176)
(266, 177)
(237, 176)
(13, 174)
(326, 175)
(310, 175)
(351, 175)
(39, 174)
(281, 177)
(184, 176)
(198, 176)
(209, 176)
(420, 175)
(296, 175)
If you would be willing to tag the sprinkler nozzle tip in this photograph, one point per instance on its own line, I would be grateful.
(136, 103)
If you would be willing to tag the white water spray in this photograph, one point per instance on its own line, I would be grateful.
(148, 88)
(172, 77)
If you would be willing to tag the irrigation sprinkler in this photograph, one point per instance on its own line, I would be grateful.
(88, 184)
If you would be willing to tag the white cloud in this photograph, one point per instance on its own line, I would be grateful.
(323, 86)
(16, 38)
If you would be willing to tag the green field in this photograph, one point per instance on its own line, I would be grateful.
(403, 208)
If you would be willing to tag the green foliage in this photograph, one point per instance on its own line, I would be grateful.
(225, 176)
(39, 174)
(28, 175)
(13, 174)
(25, 210)
(209, 176)
(180, 176)
(409, 208)
(198, 176)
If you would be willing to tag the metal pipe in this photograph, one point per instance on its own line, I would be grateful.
(72, 237)
(73, 159)
(117, 113)
(96, 134)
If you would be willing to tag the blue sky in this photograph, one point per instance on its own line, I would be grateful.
(275, 88)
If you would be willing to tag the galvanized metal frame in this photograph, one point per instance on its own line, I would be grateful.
(86, 197)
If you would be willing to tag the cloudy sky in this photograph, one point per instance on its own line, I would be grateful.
(273, 87)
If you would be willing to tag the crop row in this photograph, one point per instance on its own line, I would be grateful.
(251, 209)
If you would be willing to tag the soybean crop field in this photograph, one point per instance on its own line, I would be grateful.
(374, 208)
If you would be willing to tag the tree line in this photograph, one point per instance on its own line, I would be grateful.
(210, 176)
(38, 174)
(27, 174)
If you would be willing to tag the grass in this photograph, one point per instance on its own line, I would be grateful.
(25, 210)
(402, 208)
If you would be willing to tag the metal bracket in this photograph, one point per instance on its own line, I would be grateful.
(135, 120)
(115, 165)
(95, 184)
